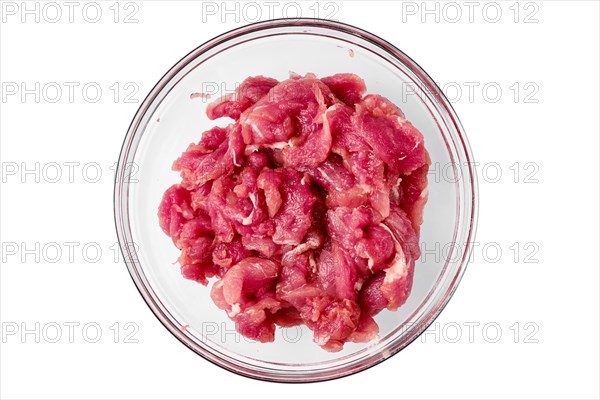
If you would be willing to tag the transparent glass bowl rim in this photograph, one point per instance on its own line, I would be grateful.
(465, 228)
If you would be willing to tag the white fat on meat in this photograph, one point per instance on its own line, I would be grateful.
(398, 268)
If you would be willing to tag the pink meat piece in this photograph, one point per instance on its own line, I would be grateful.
(290, 121)
(216, 294)
(211, 140)
(393, 139)
(287, 317)
(247, 191)
(261, 244)
(174, 211)
(379, 106)
(257, 321)
(249, 92)
(339, 183)
(298, 266)
(227, 254)
(290, 110)
(246, 278)
(345, 225)
(198, 226)
(391, 287)
(306, 210)
(377, 246)
(270, 182)
(366, 331)
(332, 321)
(195, 242)
(257, 160)
(199, 197)
(312, 241)
(332, 175)
(401, 228)
(371, 298)
(311, 140)
(245, 293)
(397, 283)
(294, 217)
(237, 206)
(414, 194)
(310, 148)
(345, 136)
(221, 212)
(397, 289)
(337, 274)
(195, 260)
(371, 178)
(337, 321)
(200, 163)
(349, 88)
(294, 273)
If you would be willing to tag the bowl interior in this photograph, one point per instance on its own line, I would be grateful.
(176, 118)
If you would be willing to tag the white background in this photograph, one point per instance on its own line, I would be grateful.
(547, 311)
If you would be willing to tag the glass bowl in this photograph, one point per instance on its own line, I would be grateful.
(173, 115)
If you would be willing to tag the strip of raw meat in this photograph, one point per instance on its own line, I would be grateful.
(349, 88)
(249, 92)
(414, 194)
(200, 164)
(393, 139)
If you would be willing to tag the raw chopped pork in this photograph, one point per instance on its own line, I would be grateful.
(306, 209)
